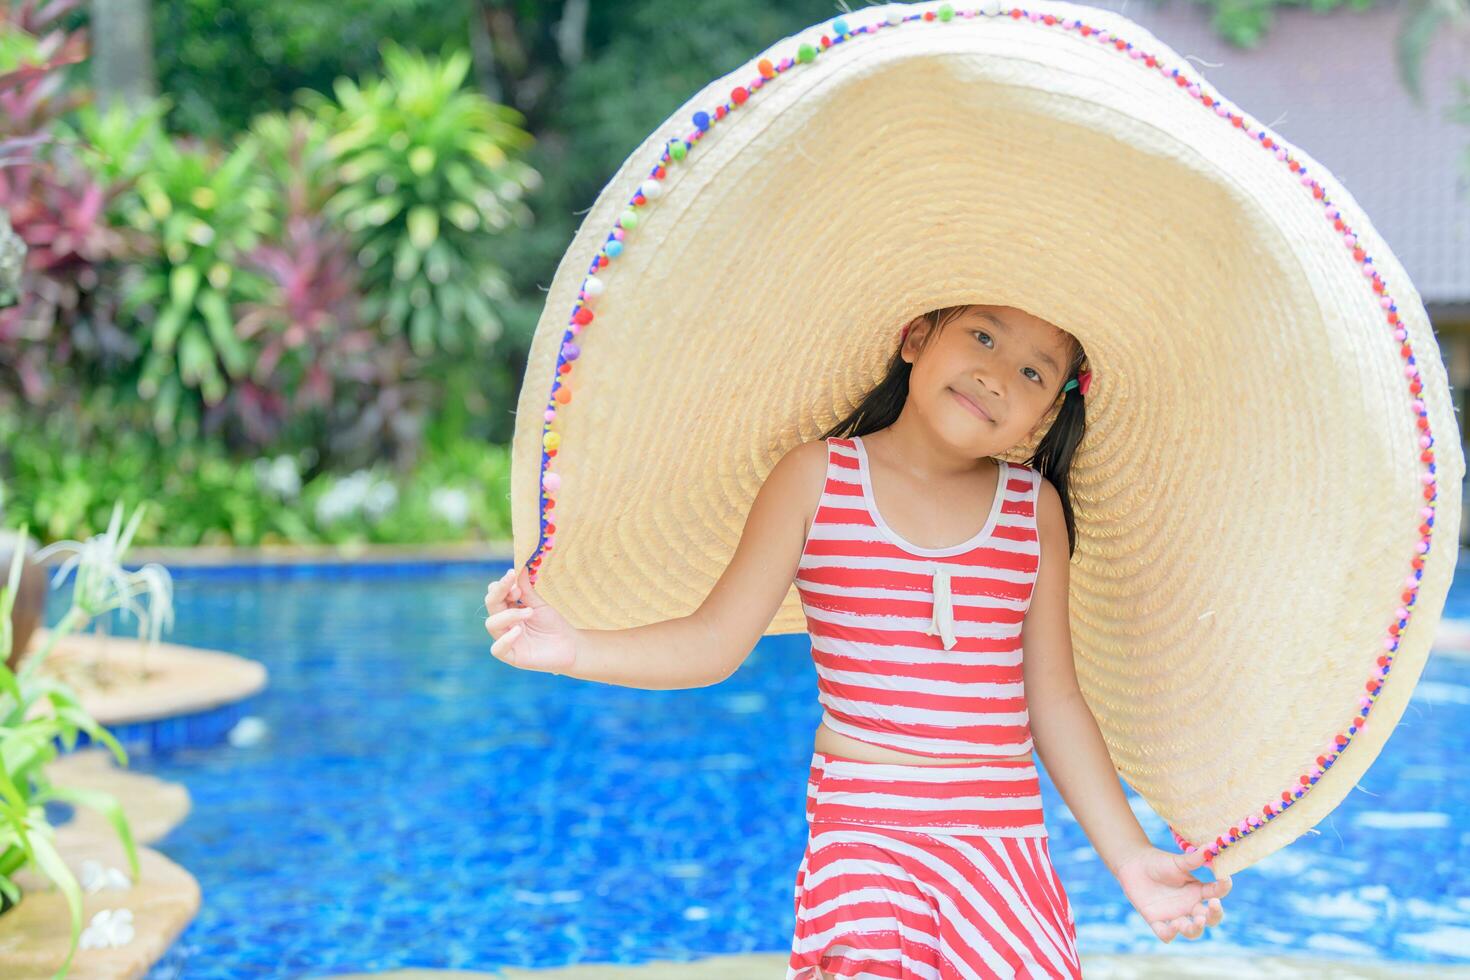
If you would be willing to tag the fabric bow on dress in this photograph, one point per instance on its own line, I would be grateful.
(943, 622)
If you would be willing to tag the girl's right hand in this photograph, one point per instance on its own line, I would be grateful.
(533, 636)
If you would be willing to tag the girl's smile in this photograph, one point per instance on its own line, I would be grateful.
(972, 405)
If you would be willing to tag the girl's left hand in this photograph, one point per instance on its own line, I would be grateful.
(1170, 899)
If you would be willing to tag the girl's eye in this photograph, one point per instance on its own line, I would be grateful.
(1038, 379)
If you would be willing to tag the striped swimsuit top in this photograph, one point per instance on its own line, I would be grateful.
(919, 649)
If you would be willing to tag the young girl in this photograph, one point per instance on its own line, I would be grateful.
(927, 854)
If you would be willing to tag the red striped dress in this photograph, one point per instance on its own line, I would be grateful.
(936, 870)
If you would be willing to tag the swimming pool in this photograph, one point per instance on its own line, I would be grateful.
(419, 803)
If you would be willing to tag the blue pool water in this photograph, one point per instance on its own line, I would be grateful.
(417, 803)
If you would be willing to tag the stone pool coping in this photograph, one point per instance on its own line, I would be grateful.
(35, 934)
(183, 680)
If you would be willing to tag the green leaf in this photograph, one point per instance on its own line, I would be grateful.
(423, 226)
(406, 259)
(107, 805)
(222, 332)
(421, 330)
(166, 328)
(50, 862)
(183, 282)
(196, 356)
(421, 160)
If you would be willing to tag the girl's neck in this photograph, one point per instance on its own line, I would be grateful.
(909, 446)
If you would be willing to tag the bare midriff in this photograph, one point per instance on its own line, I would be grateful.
(835, 743)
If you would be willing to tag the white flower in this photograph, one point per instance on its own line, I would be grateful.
(359, 491)
(109, 928)
(343, 498)
(451, 503)
(96, 876)
(380, 498)
(248, 731)
(280, 476)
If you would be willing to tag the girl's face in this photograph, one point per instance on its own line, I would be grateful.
(1010, 364)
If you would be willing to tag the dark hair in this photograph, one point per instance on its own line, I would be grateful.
(1053, 456)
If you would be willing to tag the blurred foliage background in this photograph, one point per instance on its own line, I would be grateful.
(284, 288)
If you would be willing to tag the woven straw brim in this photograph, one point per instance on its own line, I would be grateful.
(1250, 493)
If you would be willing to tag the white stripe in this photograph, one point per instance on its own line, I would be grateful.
(860, 769)
(896, 653)
(915, 624)
(922, 685)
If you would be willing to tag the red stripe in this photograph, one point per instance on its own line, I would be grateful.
(920, 700)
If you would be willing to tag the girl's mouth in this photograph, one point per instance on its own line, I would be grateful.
(971, 406)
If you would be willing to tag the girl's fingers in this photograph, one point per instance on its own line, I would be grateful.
(495, 593)
(504, 648)
(497, 623)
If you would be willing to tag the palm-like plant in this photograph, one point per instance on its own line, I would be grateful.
(205, 213)
(429, 173)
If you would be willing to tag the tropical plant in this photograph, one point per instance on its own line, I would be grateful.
(61, 305)
(205, 209)
(322, 367)
(429, 173)
(38, 711)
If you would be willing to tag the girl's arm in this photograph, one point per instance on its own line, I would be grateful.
(711, 643)
(1160, 884)
(1067, 737)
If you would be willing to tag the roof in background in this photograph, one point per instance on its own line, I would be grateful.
(1329, 84)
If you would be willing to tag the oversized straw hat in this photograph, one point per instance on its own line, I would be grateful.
(1268, 495)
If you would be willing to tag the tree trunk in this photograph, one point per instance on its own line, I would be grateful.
(121, 36)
